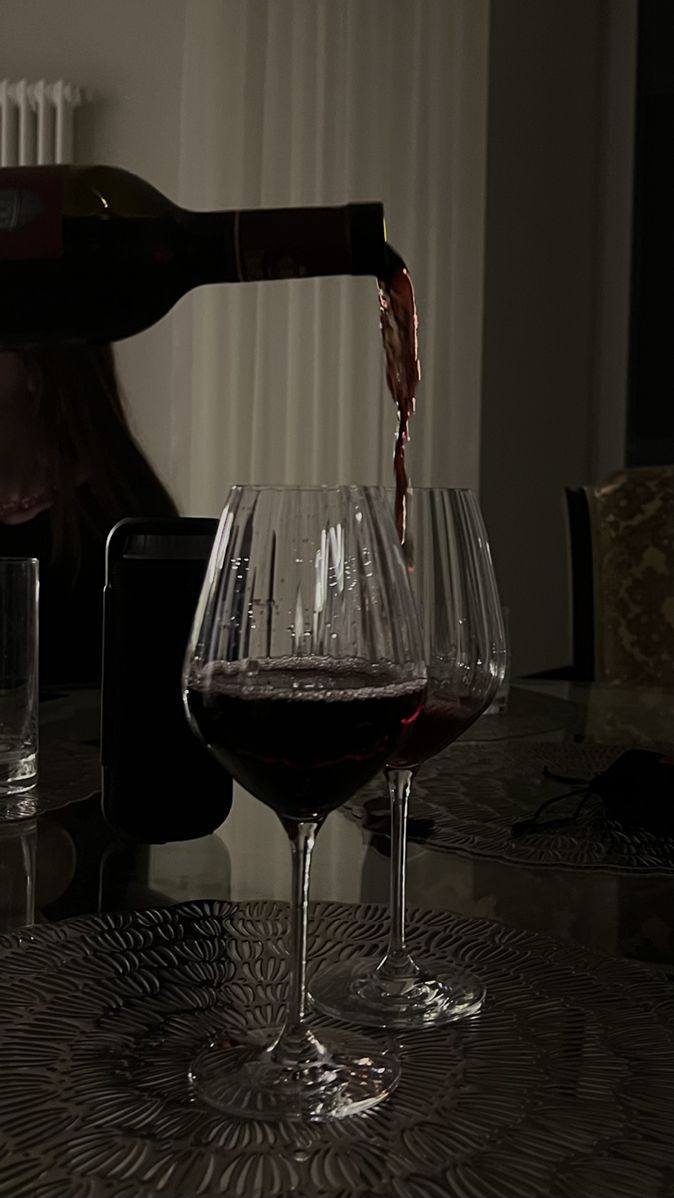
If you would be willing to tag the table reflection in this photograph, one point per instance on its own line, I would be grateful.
(67, 862)
(18, 851)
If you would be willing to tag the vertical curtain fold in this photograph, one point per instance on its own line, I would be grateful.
(300, 102)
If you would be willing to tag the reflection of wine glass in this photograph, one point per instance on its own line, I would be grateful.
(18, 851)
(450, 567)
(304, 666)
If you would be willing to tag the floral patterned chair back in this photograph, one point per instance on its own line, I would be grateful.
(631, 517)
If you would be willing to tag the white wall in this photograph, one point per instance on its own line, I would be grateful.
(325, 102)
(130, 52)
(561, 73)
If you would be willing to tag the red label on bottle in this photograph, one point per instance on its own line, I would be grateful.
(31, 213)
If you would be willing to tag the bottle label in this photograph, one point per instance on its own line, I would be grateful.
(31, 213)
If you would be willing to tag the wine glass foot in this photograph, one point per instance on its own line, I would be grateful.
(356, 992)
(246, 1081)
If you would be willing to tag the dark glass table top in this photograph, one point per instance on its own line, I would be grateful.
(66, 861)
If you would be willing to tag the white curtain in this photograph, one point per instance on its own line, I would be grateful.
(298, 102)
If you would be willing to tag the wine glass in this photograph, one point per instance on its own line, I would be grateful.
(450, 568)
(304, 667)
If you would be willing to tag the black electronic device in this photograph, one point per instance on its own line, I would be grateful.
(159, 781)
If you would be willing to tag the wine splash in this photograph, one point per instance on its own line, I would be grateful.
(399, 326)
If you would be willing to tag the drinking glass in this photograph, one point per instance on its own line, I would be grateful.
(304, 668)
(19, 604)
(450, 568)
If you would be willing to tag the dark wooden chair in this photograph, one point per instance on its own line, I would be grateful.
(621, 552)
(579, 542)
(621, 565)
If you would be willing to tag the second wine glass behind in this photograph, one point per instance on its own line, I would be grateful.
(304, 667)
(449, 565)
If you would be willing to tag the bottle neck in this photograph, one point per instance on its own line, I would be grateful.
(286, 243)
(210, 246)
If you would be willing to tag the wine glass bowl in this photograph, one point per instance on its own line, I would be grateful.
(304, 668)
(449, 565)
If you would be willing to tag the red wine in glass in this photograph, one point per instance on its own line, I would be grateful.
(443, 719)
(318, 747)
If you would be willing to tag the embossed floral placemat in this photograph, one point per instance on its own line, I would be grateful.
(561, 1085)
(467, 799)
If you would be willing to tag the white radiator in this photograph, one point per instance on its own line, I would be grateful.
(37, 121)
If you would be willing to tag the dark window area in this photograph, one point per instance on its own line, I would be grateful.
(650, 417)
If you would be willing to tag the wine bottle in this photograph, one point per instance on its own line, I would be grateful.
(94, 253)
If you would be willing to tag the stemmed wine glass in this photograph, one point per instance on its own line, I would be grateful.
(304, 668)
(450, 568)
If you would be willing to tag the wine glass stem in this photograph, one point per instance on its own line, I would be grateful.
(296, 1050)
(397, 962)
(302, 836)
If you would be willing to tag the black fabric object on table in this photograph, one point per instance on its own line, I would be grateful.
(637, 790)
